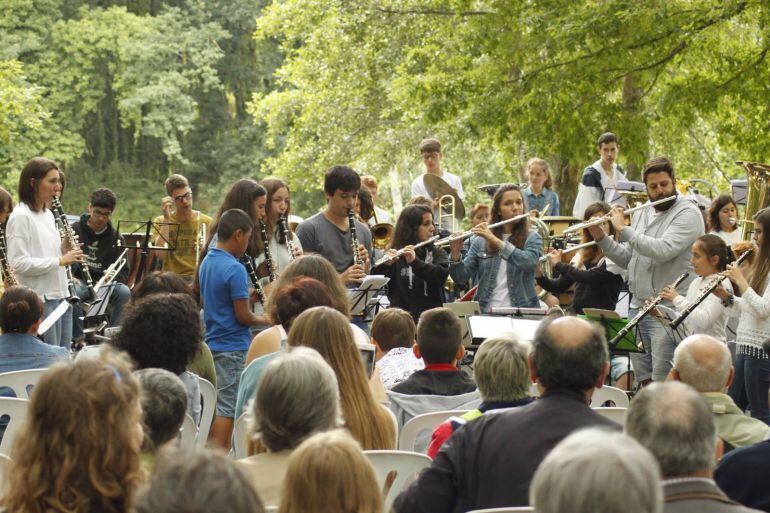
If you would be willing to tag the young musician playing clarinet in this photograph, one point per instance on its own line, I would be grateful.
(655, 250)
(279, 234)
(502, 261)
(417, 278)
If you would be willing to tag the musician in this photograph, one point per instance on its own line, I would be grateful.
(364, 206)
(710, 256)
(723, 219)
(279, 207)
(540, 191)
(36, 251)
(6, 207)
(99, 241)
(655, 250)
(328, 232)
(502, 261)
(416, 278)
(752, 366)
(380, 215)
(185, 258)
(599, 181)
(430, 149)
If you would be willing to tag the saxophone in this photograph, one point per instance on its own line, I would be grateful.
(72, 240)
(283, 222)
(6, 271)
(268, 257)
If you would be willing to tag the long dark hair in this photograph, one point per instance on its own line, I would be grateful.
(520, 228)
(409, 221)
(272, 185)
(713, 245)
(718, 204)
(241, 195)
(35, 169)
(762, 261)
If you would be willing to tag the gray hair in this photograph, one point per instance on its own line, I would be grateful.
(561, 483)
(703, 362)
(675, 424)
(501, 370)
(164, 405)
(297, 396)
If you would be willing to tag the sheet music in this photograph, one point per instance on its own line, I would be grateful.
(51, 319)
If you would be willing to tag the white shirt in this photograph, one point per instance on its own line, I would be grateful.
(34, 248)
(500, 295)
(709, 317)
(754, 325)
(587, 195)
(730, 238)
(419, 189)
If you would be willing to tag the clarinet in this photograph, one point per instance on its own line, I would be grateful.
(268, 257)
(642, 314)
(248, 262)
(357, 260)
(72, 239)
(6, 271)
(284, 224)
(712, 286)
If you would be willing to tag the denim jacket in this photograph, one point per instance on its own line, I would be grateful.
(483, 268)
(20, 351)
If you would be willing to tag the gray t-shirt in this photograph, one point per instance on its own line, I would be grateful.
(319, 235)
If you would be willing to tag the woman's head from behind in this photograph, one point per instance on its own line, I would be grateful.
(80, 449)
(297, 296)
(21, 309)
(319, 268)
(297, 396)
(160, 281)
(329, 472)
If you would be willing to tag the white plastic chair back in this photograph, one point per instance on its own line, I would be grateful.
(16, 409)
(188, 433)
(607, 393)
(613, 413)
(271, 509)
(420, 423)
(209, 400)
(21, 382)
(406, 465)
(524, 509)
(241, 437)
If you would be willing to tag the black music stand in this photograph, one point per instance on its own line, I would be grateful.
(360, 299)
(140, 237)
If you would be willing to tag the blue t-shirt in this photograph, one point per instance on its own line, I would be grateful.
(223, 279)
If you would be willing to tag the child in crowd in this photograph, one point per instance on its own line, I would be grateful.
(393, 336)
(540, 192)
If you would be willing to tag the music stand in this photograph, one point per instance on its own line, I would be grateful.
(142, 234)
(612, 323)
(628, 189)
(667, 316)
(361, 299)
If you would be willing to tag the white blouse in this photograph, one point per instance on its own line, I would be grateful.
(709, 317)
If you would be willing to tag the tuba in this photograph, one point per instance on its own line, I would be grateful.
(758, 176)
(544, 231)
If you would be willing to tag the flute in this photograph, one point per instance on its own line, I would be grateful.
(571, 249)
(712, 286)
(465, 235)
(607, 217)
(401, 251)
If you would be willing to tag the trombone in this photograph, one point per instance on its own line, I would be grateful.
(447, 207)
(607, 217)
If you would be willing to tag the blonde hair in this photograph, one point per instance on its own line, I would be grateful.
(80, 448)
(328, 332)
(329, 472)
(536, 161)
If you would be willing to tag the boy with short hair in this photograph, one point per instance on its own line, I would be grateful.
(225, 295)
(439, 344)
(393, 336)
(600, 179)
(430, 150)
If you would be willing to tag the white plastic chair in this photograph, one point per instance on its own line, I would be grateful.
(241, 437)
(188, 433)
(21, 382)
(209, 400)
(607, 393)
(420, 423)
(404, 464)
(614, 413)
(16, 409)
(523, 509)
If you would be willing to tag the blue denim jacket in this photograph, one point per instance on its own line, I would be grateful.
(20, 351)
(480, 266)
(547, 196)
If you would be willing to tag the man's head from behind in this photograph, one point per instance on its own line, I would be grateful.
(439, 337)
(675, 424)
(501, 369)
(569, 353)
(704, 363)
(392, 328)
(164, 404)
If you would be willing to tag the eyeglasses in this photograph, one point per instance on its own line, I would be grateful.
(101, 213)
(183, 197)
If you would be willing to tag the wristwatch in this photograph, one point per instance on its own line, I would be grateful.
(727, 302)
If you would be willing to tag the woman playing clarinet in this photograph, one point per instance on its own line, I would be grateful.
(284, 245)
(502, 261)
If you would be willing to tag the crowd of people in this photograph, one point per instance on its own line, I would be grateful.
(261, 311)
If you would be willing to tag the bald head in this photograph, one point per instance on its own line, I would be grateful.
(703, 362)
(569, 353)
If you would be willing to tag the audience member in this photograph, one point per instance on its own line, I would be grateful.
(393, 336)
(743, 475)
(674, 423)
(569, 360)
(164, 404)
(163, 331)
(80, 448)
(328, 332)
(297, 397)
(705, 364)
(201, 482)
(597, 471)
(21, 311)
(329, 472)
(502, 374)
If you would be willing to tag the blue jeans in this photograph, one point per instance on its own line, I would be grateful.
(119, 296)
(60, 334)
(750, 385)
(229, 366)
(659, 347)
